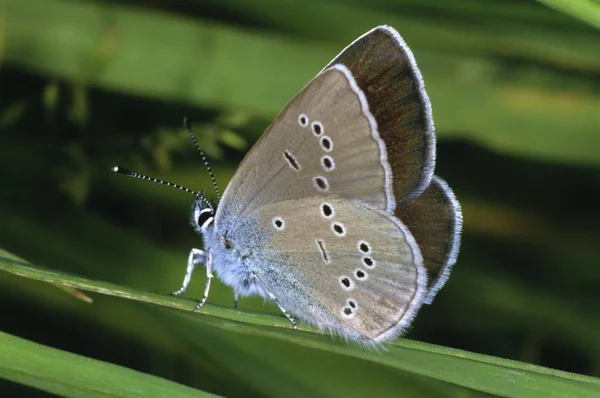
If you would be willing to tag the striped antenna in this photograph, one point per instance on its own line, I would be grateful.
(129, 173)
(195, 141)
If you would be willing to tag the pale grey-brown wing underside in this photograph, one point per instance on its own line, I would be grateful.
(435, 220)
(342, 265)
(325, 140)
(385, 69)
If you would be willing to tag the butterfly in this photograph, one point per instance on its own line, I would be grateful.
(335, 214)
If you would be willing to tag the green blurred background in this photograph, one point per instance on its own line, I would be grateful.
(87, 84)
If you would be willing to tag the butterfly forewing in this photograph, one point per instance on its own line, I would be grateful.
(384, 68)
(324, 141)
(340, 264)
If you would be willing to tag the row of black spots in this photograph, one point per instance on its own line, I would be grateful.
(327, 163)
(318, 130)
(316, 126)
(320, 183)
(348, 284)
(328, 212)
(364, 248)
(350, 309)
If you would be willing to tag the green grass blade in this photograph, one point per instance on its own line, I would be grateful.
(478, 372)
(586, 10)
(71, 375)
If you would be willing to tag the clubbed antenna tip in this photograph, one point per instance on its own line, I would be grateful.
(127, 172)
(122, 170)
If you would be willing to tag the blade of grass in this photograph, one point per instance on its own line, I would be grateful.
(20, 268)
(586, 10)
(307, 370)
(479, 372)
(71, 375)
(483, 373)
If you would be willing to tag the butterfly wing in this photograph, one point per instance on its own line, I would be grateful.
(325, 140)
(435, 220)
(341, 265)
(372, 121)
(325, 178)
(385, 69)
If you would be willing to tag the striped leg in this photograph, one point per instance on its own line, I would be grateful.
(197, 256)
(209, 276)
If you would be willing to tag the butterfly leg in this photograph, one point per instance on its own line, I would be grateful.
(209, 276)
(272, 296)
(235, 300)
(197, 256)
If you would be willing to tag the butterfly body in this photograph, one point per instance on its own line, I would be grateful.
(335, 214)
(230, 263)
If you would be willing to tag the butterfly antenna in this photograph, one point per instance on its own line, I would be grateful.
(195, 141)
(204, 200)
(127, 172)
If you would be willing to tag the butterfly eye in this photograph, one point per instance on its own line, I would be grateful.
(205, 217)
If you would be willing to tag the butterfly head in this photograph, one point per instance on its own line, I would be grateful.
(203, 214)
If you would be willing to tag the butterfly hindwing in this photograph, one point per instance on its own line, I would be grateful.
(342, 265)
(435, 220)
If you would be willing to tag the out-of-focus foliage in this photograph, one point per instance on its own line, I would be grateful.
(87, 84)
